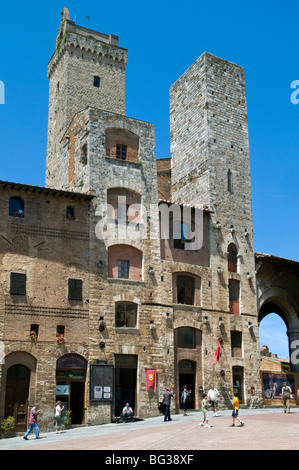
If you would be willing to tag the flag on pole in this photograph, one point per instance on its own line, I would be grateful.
(150, 379)
(217, 355)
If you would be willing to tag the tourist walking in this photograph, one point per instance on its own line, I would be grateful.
(35, 411)
(235, 413)
(213, 397)
(185, 399)
(167, 396)
(58, 418)
(286, 395)
(205, 409)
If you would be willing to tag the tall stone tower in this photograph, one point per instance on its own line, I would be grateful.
(86, 69)
(211, 167)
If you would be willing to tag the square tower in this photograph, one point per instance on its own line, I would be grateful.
(86, 69)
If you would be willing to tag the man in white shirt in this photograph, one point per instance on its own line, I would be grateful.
(127, 413)
(213, 397)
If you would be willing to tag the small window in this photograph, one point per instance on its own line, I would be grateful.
(185, 290)
(16, 207)
(60, 330)
(17, 284)
(232, 260)
(84, 154)
(236, 343)
(125, 315)
(123, 268)
(96, 82)
(34, 331)
(186, 338)
(70, 213)
(121, 152)
(234, 293)
(230, 181)
(75, 289)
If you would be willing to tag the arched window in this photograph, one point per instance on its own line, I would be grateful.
(125, 315)
(16, 207)
(232, 260)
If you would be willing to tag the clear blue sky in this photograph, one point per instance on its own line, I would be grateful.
(163, 39)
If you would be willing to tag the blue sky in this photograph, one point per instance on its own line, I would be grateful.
(163, 39)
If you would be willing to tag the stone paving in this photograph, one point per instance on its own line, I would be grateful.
(264, 429)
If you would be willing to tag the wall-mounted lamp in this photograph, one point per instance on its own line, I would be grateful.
(206, 320)
(217, 226)
(249, 276)
(219, 270)
(151, 270)
(250, 325)
(102, 324)
(232, 229)
(221, 322)
(246, 233)
(102, 344)
(152, 325)
(100, 264)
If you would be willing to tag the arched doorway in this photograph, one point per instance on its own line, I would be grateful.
(16, 395)
(71, 385)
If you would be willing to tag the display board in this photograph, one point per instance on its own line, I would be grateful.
(101, 382)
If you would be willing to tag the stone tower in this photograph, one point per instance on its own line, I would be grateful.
(211, 167)
(86, 69)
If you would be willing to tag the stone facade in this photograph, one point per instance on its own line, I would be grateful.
(147, 301)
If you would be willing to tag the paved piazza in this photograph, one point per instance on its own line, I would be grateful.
(264, 429)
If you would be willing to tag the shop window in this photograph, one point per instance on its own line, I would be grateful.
(234, 294)
(125, 315)
(17, 284)
(185, 290)
(232, 258)
(186, 338)
(75, 289)
(236, 343)
(16, 207)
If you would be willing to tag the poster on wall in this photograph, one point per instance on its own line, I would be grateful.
(101, 382)
(273, 382)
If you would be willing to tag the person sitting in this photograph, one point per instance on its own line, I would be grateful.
(127, 413)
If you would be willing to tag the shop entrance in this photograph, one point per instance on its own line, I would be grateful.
(187, 372)
(71, 386)
(238, 382)
(125, 382)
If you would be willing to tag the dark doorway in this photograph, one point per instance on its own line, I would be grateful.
(238, 382)
(187, 371)
(17, 390)
(125, 382)
(77, 402)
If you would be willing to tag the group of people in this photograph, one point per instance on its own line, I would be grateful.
(210, 400)
(35, 412)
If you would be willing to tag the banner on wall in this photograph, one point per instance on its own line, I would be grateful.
(150, 379)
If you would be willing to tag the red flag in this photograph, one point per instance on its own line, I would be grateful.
(150, 379)
(217, 355)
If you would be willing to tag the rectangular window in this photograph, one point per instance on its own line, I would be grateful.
(123, 268)
(186, 338)
(17, 284)
(185, 290)
(234, 293)
(96, 82)
(75, 289)
(121, 152)
(125, 315)
(236, 343)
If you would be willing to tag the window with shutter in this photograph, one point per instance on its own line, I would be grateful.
(75, 289)
(18, 284)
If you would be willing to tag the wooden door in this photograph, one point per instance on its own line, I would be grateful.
(16, 397)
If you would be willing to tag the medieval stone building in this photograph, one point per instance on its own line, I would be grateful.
(124, 263)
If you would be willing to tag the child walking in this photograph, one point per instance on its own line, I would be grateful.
(205, 408)
(235, 412)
